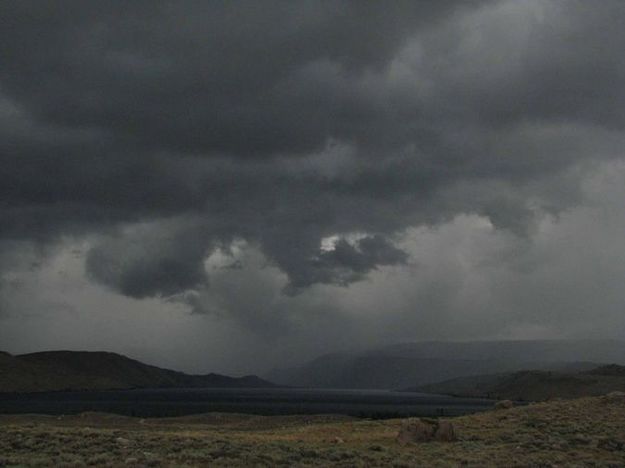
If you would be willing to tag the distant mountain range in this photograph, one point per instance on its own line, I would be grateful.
(533, 385)
(416, 364)
(400, 366)
(78, 370)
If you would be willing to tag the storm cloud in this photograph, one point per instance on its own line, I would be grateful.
(291, 149)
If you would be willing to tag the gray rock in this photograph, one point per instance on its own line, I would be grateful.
(426, 430)
(123, 441)
(504, 404)
(415, 430)
(445, 432)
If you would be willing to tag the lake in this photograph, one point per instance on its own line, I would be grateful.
(272, 401)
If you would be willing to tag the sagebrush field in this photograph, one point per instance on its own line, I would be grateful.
(582, 432)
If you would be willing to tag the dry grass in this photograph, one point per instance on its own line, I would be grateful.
(584, 432)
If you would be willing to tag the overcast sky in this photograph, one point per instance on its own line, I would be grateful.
(231, 186)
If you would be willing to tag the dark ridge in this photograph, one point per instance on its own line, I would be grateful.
(533, 385)
(82, 370)
(610, 370)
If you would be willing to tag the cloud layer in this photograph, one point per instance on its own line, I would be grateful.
(318, 135)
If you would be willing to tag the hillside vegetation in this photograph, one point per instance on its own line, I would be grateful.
(533, 385)
(78, 370)
(584, 432)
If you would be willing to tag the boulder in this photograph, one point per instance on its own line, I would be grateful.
(123, 441)
(426, 430)
(445, 432)
(415, 430)
(504, 404)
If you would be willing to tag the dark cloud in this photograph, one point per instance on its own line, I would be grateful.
(345, 262)
(164, 130)
(151, 262)
(211, 78)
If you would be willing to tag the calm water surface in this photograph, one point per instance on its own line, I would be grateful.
(176, 402)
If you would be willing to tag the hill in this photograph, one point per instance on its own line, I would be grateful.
(602, 351)
(584, 432)
(415, 364)
(533, 385)
(81, 370)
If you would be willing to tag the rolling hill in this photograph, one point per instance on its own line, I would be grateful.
(81, 370)
(533, 385)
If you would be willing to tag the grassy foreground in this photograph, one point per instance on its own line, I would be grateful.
(582, 432)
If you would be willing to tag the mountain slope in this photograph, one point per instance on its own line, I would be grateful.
(414, 364)
(80, 370)
(533, 385)
(384, 372)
